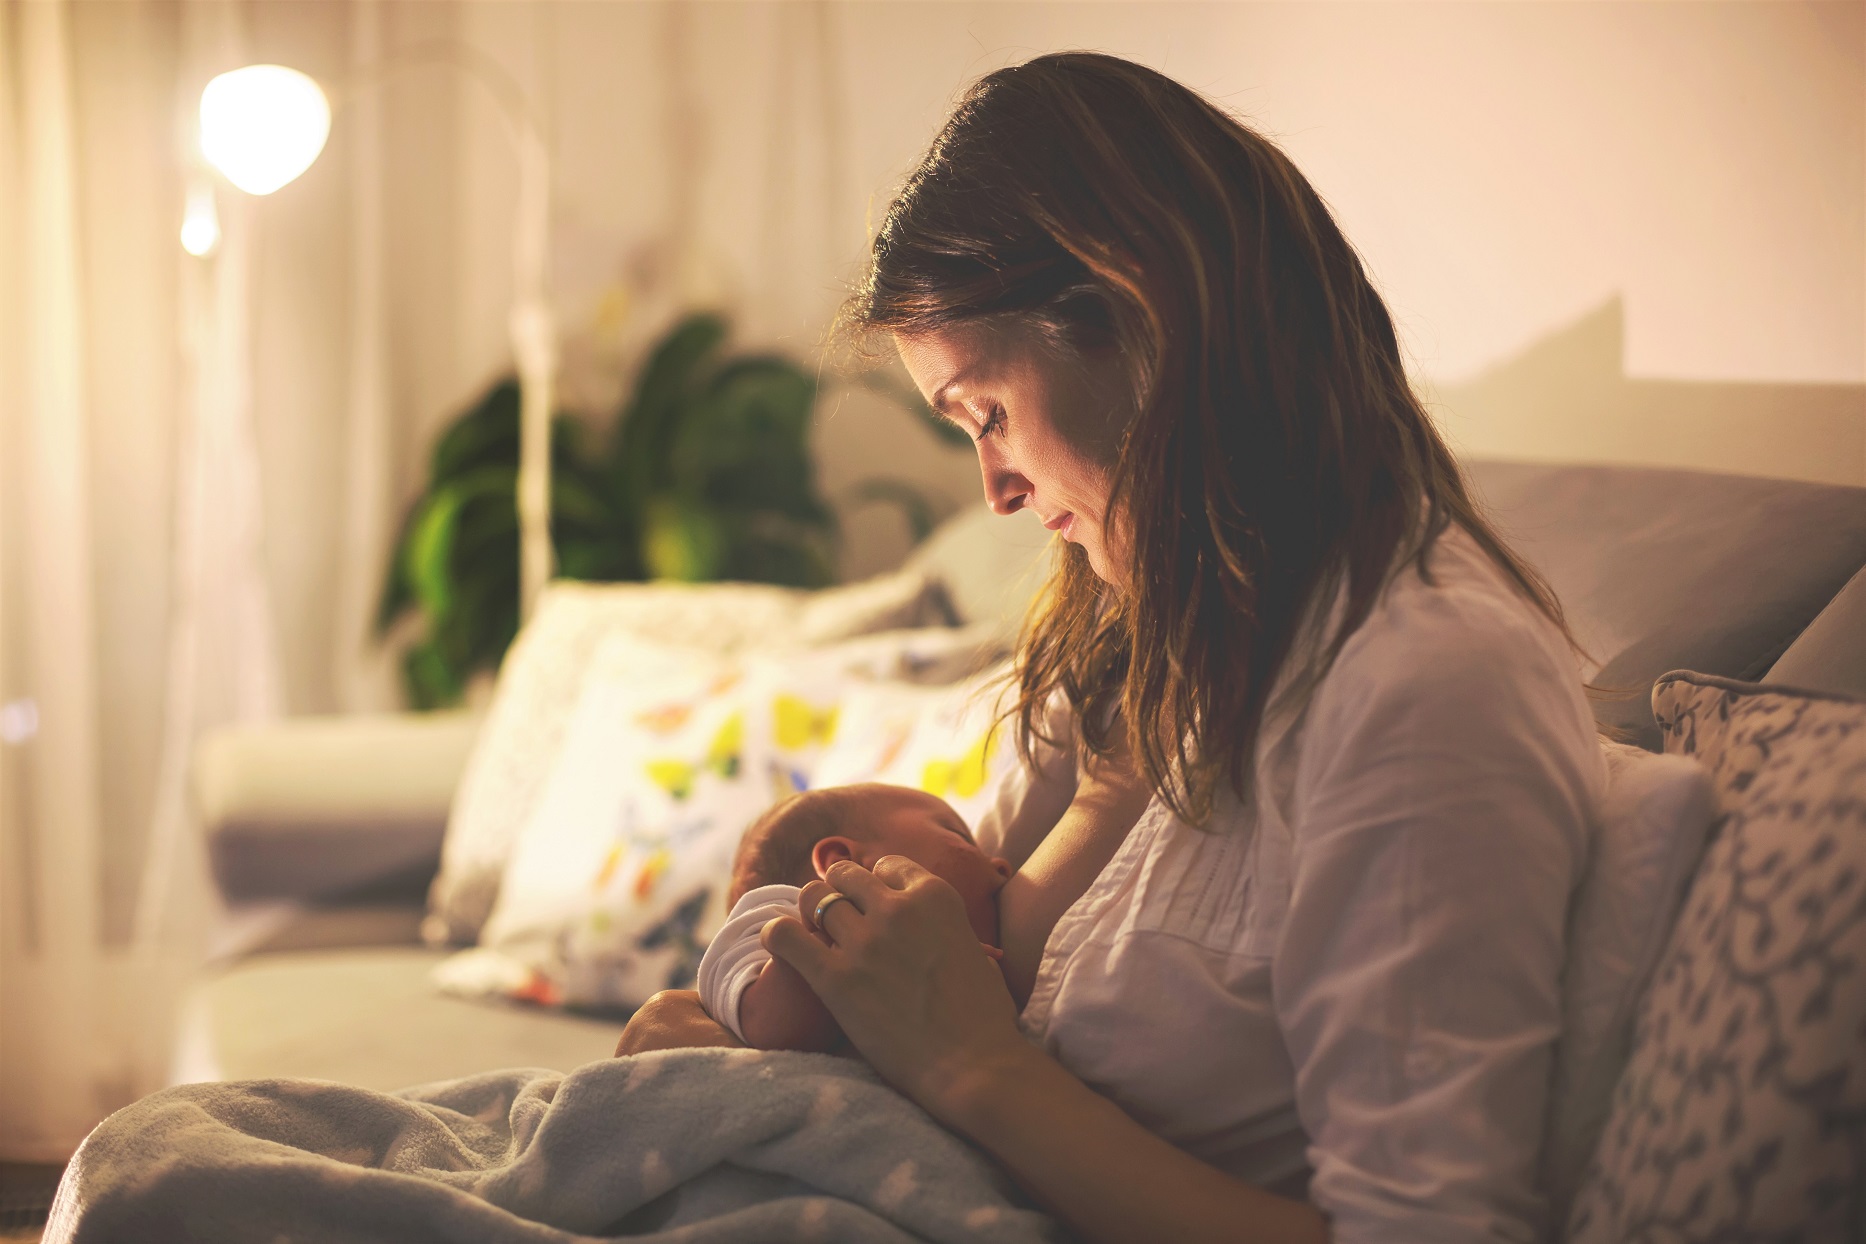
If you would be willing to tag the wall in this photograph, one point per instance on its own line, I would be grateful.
(1621, 232)
(1515, 173)
(1617, 231)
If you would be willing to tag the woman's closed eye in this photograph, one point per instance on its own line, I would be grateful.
(993, 418)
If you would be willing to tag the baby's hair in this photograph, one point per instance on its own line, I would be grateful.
(778, 845)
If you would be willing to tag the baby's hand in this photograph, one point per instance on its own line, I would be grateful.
(779, 1011)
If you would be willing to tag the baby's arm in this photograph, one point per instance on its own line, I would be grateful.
(779, 1011)
(763, 1002)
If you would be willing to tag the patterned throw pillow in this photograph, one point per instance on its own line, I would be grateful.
(946, 740)
(617, 880)
(1742, 1112)
(545, 672)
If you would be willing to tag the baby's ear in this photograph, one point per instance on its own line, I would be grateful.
(828, 851)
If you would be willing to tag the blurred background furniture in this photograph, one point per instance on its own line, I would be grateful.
(324, 833)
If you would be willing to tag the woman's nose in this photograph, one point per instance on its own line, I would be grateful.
(1006, 489)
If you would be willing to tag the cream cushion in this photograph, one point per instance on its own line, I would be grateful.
(314, 807)
(543, 672)
(618, 878)
(1654, 819)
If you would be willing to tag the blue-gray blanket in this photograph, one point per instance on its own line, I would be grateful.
(687, 1145)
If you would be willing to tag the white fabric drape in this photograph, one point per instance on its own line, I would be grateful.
(364, 674)
(53, 1077)
(202, 461)
(87, 1004)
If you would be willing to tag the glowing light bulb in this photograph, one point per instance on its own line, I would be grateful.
(19, 721)
(200, 222)
(263, 125)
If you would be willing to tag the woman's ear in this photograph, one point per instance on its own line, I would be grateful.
(828, 851)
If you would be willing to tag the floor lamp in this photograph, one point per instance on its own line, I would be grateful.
(263, 125)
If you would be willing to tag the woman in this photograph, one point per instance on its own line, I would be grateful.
(1301, 933)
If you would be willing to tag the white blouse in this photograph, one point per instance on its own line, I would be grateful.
(1353, 985)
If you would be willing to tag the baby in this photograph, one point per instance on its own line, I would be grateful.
(764, 1001)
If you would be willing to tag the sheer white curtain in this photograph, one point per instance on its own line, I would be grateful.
(53, 1072)
(133, 605)
(202, 460)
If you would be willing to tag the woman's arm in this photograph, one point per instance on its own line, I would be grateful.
(1033, 796)
(1107, 802)
(1440, 814)
(1102, 1173)
(905, 980)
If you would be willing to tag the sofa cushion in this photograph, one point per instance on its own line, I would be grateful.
(1742, 1112)
(1831, 654)
(317, 808)
(367, 1016)
(618, 879)
(1663, 569)
(1657, 569)
(1653, 822)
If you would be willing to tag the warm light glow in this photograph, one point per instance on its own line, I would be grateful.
(19, 721)
(263, 125)
(200, 223)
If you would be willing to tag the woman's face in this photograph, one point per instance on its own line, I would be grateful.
(1047, 424)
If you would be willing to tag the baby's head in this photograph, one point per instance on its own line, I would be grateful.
(800, 837)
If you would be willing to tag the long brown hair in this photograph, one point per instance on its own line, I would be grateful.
(1276, 452)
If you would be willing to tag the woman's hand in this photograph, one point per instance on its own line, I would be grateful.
(673, 1020)
(908, 982)
(911, 987)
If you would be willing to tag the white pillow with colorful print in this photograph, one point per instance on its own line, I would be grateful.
(645, 919)
(618, 878)
(947, 740)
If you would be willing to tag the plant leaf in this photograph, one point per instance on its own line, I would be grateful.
(429, 553)
(486, 434)
(683, 541)
(647, 428)
(398, 595)
(429, 678)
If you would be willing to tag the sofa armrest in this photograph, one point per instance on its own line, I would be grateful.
(322, 808)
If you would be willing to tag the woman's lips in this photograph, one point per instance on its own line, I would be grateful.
(1061, 523)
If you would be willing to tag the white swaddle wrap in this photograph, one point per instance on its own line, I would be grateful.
(735, 956)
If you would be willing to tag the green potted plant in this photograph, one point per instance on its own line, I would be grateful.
(706, 476)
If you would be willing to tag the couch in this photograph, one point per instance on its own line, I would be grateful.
(324, 833)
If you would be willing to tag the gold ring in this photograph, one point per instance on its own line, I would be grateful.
(829, 900)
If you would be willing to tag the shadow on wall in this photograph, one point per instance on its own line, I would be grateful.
(1567, 398)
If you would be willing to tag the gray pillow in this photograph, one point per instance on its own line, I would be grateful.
(1657, 569)
(1831, 654)
(1662, 570)
(1742, 1111)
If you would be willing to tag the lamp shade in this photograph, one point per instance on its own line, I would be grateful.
(263, 125)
